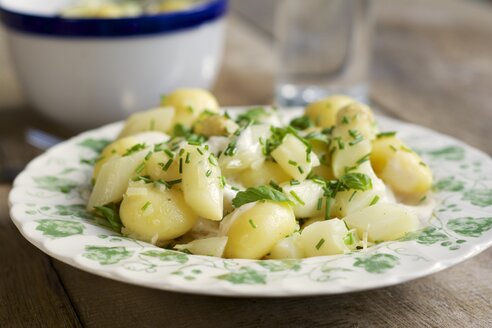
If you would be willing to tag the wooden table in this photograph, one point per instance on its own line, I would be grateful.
(432, 66)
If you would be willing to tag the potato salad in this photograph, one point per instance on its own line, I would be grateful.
(191, 177)
(124, 8)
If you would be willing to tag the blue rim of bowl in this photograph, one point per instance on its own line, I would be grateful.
(114, 27)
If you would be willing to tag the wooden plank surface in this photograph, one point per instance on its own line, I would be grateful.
(458, 297)
(433, 69)
(31, 294)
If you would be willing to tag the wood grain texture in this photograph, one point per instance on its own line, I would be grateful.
(31, 294)
(432, 65)
(457, 297)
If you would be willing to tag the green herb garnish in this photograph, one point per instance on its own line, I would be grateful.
(258, 193)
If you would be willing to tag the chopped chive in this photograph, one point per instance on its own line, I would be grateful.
(386, 134)
(348, 169)
(319, 181)
(235, 188)
(231, 149)
(320, 243)
(145, 179)
(341, 144)
(194, 142)
(169, 153)
(374, 200)
(308, 154)
(208, 173)
(199, 151)
(349, 238)
(212, 160)
(134, 149)
(149, 154)
(422, 199)
(300, 169)
(356, 136)
(168, 164)
(345, 120)
(181, 165)
(187, 160)
(140, 168)
(297, 198)
(291, 162)
(189, 109)
(363, 158)
(162, 182)
(327, 208)
(219, 153)
(294, 182)
(159, 147)
(222, 181)
(404, 148)
(275, 186)
(320, 203)
(173, 182)
(352, 196)
(422, 164)
(206, 147)
(252, 224)
(393, 148)
(181, 152)
(146, 205)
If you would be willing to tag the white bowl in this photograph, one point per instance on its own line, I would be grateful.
(88, 72)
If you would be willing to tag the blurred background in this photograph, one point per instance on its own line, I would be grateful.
(431, 65)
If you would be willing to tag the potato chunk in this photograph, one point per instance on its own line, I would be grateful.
(114, 177)
(128, 145)
(213, 246)
(155, 215)
(262, 174)
(307, 198)
(162, 166)
(401, 168)
(189, 104)
(293, 157)
(324, 112)
(287, 248)
(117, 148)
(383, 222)
(157, 119)
(202, 182)
(214, 125)
(324, 238)
(255, 228)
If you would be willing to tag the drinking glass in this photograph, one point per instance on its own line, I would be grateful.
(322, 48)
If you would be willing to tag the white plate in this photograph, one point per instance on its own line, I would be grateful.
(49, 197)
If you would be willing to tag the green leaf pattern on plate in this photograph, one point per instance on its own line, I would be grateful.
(244, 276)
(479, 197)
(470, 227)
(377, 263)
(107, 255)
(97, 145)
(53, 183)
(449, 184)
(167, 256)
(60, 228)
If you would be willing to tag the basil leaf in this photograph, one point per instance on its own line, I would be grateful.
(251, 195)
(302, 123)
(357, 181)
